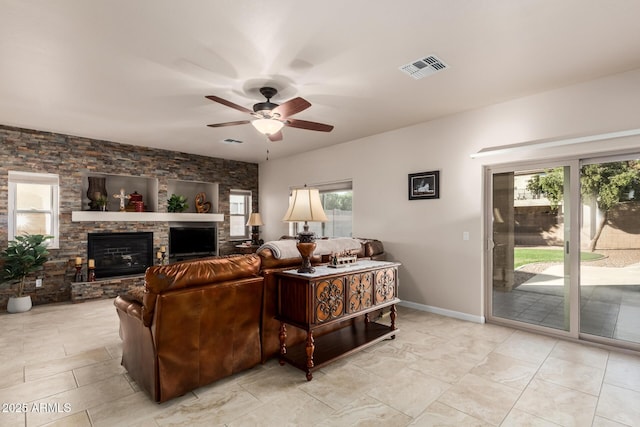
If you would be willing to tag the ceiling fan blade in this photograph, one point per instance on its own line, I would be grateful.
(292, 107)
(219, 125)
(303, 124)
(276, 136)
(228, 103)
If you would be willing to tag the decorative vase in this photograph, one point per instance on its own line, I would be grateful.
(97, 188)
(19, 304)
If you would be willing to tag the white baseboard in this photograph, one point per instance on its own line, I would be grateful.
(443, 312)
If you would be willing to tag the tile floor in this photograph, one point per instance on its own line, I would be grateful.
(62, 363)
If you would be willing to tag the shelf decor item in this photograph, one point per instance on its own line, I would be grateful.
(97, 190)
(342, 259)
(305, 205)
(161, 255)
(122, 198)
(177, 204)
(24, 255)
(202, 206)
(91, 270)
(101, 202)
(135, 203)
(78, 277)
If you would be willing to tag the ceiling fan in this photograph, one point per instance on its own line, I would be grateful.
(270, 118)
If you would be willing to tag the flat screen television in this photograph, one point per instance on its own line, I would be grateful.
(192, 242)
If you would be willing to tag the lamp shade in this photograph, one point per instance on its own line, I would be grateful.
(267, 126)
(254, 219)
(305, 205)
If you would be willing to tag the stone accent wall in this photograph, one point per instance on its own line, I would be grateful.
(71, 157)
(108, 288)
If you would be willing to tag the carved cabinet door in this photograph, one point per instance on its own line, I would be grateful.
(385, 285)
(360, 291)
(329, 299)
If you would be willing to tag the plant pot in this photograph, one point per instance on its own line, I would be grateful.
(19, 304)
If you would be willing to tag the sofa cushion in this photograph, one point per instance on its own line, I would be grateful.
(283, 249)
(371, 247)
(200, 272)
(164, 278)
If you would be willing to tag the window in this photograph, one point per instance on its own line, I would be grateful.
(336, 201)
(240, 209)
(33, 205)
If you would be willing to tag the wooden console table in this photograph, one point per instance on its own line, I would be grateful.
(310, 301)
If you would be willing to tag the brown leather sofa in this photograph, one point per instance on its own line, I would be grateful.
(194, 323)
(197, 321)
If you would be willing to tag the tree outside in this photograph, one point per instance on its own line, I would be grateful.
(608, 184)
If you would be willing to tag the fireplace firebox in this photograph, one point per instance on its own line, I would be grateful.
(120, 254)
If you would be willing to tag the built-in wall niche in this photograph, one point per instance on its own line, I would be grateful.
(190, 189)
(147, 187)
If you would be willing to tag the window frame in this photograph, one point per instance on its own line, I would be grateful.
(247, 212)
(53, 181)
(334, 187)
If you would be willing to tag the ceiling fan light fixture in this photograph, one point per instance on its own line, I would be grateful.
(267, 126)
(269, 118)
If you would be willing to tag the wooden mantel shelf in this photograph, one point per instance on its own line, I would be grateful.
(97, 216)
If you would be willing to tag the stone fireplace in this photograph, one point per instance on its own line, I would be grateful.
(120, 254)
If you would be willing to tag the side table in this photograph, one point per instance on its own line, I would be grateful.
(244, 249)
(310, 301)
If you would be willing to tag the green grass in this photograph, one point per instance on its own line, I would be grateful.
(524, 256)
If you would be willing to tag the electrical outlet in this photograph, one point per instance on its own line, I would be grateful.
(38, 283)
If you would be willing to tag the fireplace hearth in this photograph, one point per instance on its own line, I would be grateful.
(120, 254)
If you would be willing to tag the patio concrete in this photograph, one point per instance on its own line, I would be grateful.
(609, 301)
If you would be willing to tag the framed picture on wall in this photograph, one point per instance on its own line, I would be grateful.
(424, 185)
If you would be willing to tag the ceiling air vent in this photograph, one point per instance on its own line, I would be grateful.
(424, 67)
(231, 141)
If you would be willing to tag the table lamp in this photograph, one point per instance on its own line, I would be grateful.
(305, 205)
(255, 222)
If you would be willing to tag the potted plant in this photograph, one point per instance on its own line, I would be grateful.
(24, 255)
(177, 204)
(101, 202)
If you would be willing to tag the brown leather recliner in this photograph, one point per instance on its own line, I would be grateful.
(197, 321)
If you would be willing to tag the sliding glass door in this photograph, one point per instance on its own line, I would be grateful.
(610, 233)
(563, 248)
(530, 245)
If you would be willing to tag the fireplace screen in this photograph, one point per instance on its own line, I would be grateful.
(120, 254)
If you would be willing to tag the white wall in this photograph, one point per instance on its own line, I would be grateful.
(440, 269)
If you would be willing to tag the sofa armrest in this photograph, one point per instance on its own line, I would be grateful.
(372, 248)
(138, 352)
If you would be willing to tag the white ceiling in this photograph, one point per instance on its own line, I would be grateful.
(137, 71)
